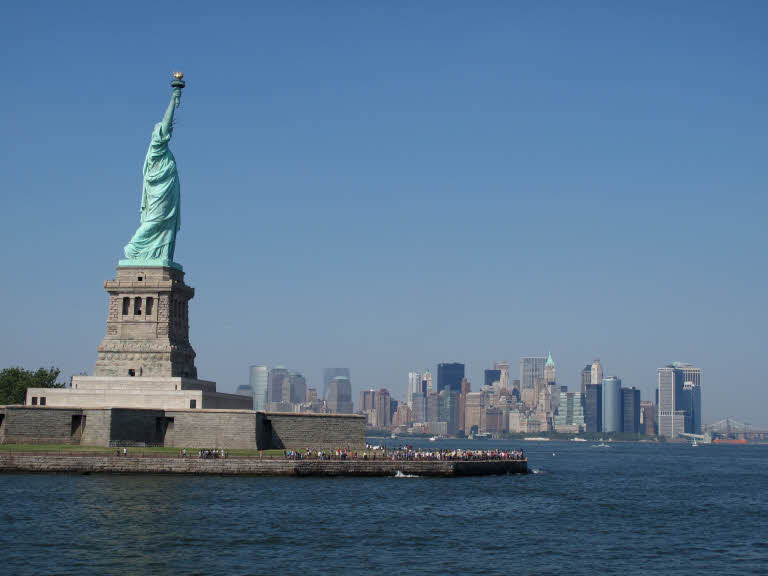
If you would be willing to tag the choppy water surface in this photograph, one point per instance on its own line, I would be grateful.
(628, 509)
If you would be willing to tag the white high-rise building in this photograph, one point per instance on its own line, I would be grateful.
(597, 372)
(504, 380)
(414, 387)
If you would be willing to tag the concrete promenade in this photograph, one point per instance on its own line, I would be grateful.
(253, 466)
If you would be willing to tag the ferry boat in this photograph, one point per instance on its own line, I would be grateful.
(536, 439)
(577, 439)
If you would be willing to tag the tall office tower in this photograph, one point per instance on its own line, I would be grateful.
(466, 388)
(630, 407)
(432, 407)
(503, 368)
(414, 387)
(279, 379)
(545, 400)
(473, 408)
(612, 417)
(570, 412)
(597, 372)
(418, 410)
(593, 408)
(449, 376)
(531, 368)
(670, 391)
(679, 399)
(550, 370)
(648, 415)
(691, 378)
(383, 409)
(586, 378)
(428, 380)
(260, 385)
(448, 409)
(331, 373)
(298, 388)
(491, 377)
(367, 400)
(692, 407)
(311, 396)
(339, 398)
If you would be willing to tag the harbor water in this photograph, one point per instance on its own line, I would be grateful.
(629, 508)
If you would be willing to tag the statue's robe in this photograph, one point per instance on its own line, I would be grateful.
(160, 203)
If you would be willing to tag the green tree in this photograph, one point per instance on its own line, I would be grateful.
(15, 381)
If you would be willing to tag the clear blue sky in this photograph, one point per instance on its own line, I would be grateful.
(389, 185)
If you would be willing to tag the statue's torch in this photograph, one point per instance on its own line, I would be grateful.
(178, 83)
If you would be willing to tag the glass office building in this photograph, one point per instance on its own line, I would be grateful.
(259, 381)
(612, 416)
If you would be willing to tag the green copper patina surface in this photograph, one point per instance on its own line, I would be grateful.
(154, 242)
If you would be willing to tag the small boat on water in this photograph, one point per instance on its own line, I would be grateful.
(694, 443)
(536, 439)
(577, 439)
(394, 436)
(601, 445)
(433, 439)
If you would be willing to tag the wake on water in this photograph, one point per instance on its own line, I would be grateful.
(399, 474)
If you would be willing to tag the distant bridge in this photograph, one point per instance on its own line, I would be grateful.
(732, 429)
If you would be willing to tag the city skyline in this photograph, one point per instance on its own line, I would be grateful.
(472, 186)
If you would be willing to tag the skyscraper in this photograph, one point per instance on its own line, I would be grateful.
(331, 373)
(550, 370)
(503, 369)
(531, 368)
(648, 418)
(449, 376)
(259, 379)
(339, 398)
(586, 378)
(279, 378)
(597, 372)
(593, 407)
(570, 412)
(428, 380)
(691, 400)
(630, 406)
(367, 400)
(297, 388)
(414, 387)
(383, 409)
(612, 417)
(679, 399)
(491, 376)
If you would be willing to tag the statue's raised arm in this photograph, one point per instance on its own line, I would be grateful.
(154, 242)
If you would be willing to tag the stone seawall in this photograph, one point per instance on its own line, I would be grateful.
(82, 464)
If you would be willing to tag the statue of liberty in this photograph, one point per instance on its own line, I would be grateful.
(154, 242)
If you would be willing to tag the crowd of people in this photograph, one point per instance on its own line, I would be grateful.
(207, 454)
(403, 453)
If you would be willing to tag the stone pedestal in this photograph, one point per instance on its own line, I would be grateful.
(145, 360)
(147, 324)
